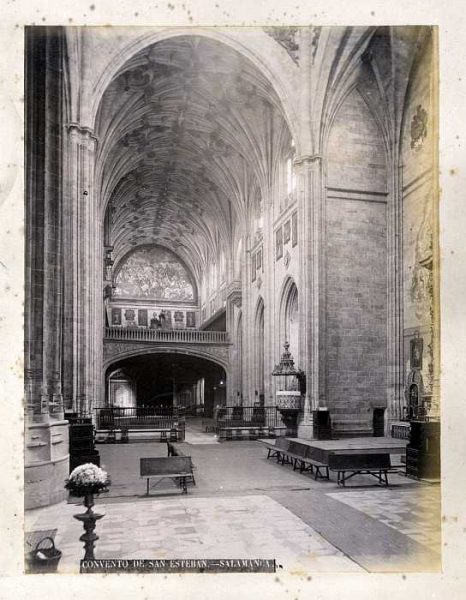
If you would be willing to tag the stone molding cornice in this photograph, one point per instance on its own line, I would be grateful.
(306, 159)
(82, 130)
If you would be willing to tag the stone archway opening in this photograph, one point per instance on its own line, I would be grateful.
(166, 382)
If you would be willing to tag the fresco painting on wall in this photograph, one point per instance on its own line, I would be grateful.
(190, 319)
(154, 273)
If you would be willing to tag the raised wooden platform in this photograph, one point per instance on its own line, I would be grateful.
(366, 445)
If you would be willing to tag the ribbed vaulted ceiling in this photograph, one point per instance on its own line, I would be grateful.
(191, 133)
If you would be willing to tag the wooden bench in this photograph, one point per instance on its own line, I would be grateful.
(377, 465)
(278, 449)
(177, 468)
(314, 461)
(309, 459)
(163, 434)
(175, 450)
(240, 432)
(293, 453)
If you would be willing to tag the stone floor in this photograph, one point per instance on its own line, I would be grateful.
(184, 527)
(244, 506)
(415, 513)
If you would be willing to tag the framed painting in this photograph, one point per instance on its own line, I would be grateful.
(190, 319)
(416, 349)
(142, 317)
(129, 315)
(116, 316)
(179, 316)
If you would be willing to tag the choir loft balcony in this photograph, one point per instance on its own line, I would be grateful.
(175, 336)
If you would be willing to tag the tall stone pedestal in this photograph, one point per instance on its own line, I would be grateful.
(306, 430)
(46, 463)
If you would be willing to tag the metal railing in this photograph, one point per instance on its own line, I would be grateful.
(192, 336)
(401, 432)
(139, 417)
(247, 416)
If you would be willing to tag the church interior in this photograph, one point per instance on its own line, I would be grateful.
(231, 247)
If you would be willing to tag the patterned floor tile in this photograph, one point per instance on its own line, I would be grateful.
(413, 512)
(224, 537)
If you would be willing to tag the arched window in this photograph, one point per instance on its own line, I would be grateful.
(121, 390)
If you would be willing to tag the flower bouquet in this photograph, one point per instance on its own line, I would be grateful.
(87, 479)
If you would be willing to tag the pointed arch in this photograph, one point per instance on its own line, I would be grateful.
(355, 147)
(289, 317)
(253, 53)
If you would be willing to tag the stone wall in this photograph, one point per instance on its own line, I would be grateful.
(420, 279)
(46, 433)
(355, 270)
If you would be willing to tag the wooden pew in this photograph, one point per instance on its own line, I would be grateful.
(175, 450)
(314, 461)
(377, 465)
(278, 449)
(177, 468)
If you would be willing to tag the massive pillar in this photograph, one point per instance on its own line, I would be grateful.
(234, 302)
(310, 205)
(46, 431)
(394, 299)
(83, 274)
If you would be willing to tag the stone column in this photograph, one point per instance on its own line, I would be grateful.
(249, 308)
(234, 302)
(395, 391)
(83, 274)
(46, 431)
(311, 294)
(271, 315)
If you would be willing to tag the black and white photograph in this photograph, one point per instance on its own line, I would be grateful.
(232, 302)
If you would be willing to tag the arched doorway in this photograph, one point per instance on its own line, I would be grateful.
(168, 381)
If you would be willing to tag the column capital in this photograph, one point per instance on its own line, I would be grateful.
(75, 129)
(306, 159)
